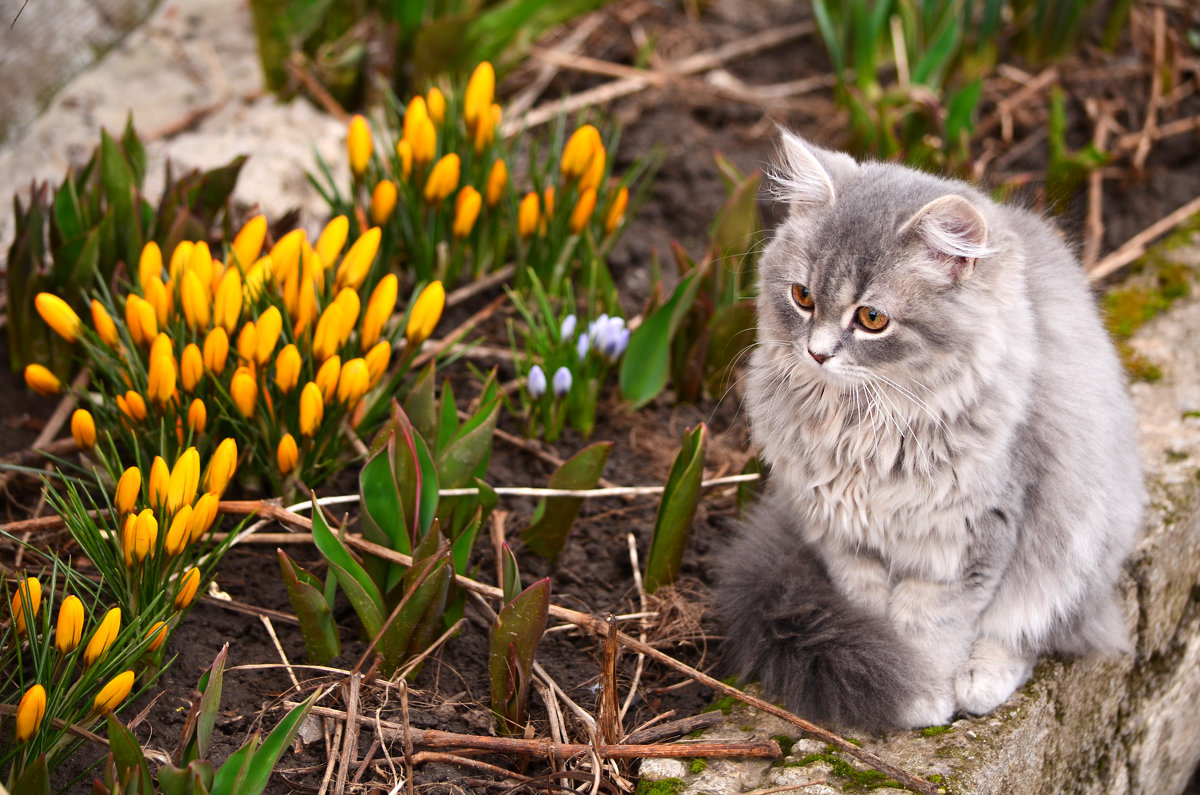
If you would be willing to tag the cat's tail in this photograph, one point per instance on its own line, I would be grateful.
(786, 626)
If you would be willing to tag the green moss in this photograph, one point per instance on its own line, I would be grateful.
(934, 731)
(1139, 367)
(724, 704)
(935, 779)
(666, 786)
(785, 743)
(1128, 308)
(855, 780)
(697, 766)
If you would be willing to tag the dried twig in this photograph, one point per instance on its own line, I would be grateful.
(1135, 246)
(1156, 89)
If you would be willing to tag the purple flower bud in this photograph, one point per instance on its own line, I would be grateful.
(562, 382)
(611, 338)
(535, 382)
(567, 330)
(582, 345)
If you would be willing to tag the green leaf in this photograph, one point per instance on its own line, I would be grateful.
(195, 779)
(264, 760)
(134, 152)
(554, 515)
(515, 635)
(383, 519)
(202, 718)
(231, 775)
(936, 56)
(731, 334)
(35, 780)
(736, 228)
(321, 642)
(676, 510)
(470, 446)
(647, 361)
(420, 405)
(354, 580)
(510, 575)
(127, 756)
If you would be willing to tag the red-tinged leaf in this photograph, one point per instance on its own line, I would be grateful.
(306, 593)
(511, 648)
(355, 582)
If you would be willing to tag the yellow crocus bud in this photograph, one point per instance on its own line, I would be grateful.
(616, 210)
(247, 341)
(466, 210)
(528, 215)
(113, 693)
(127, 490)
(267, 330)
(158, 297)
(177, 534)
(443, 179)
(196, 309)
(332, 239)
(216, 350)
(133, 405)
(353, 382)
(161, 376)
(548, 201)
(201, 263)
(159, 483)
(185, 479)
(404, 153)
(41, 380)
(416, 111)
(106, 329)
(578, 153)
(383, 201)
(58, 315)
(188, 585)
(423, 141)
(287, 454)
(145, 535)
(485, 130)
(83, 429)
(379, 309)
(497, 181)
(191, 366)
(70, 624)
(584, 206)
(377, 359)
(221, 467)
(435, 102)
(358, 145)
(287, 368)
(481, 89)
(197, 416)
(244, 391)
(288, 250)
(227, 305)
(425, 314)
(128, 538)
(248, 243)
(156, 635)
(150, 264)
(29, 593)
(325, 338)
(103, 637)
(348, 301)
(179, 259)
(204, 513)
(312, 408)
(358, 260)
(306, 306)
(140, 320)
(327, 377)
(30, 711)
(594, 175)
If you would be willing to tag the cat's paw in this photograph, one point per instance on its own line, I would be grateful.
(928, 709)
(989, 677)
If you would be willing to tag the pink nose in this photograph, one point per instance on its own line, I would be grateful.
(820, 358)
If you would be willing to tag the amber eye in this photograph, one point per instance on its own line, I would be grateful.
(871, 319)
(802, 296)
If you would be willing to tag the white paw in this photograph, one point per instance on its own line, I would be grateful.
(928, 710)
(989, 677)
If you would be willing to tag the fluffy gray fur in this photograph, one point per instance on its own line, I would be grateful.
(950, 497)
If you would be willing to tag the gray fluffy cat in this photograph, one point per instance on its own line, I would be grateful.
(955, 482)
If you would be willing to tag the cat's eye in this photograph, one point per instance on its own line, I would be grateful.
(871, 319)
(802, 296)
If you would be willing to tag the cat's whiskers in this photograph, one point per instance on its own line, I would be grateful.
(918, 402)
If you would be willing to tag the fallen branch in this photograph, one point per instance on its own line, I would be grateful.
(1135, 246)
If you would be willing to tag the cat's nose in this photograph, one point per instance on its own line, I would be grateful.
(820, 358)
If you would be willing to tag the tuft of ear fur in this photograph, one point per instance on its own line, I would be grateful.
(804, 176)
(955, 233)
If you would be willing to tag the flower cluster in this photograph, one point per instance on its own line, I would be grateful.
(277, 350)
(578, 361)
(444, 197)
(68, 673)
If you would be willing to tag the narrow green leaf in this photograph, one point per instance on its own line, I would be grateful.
(321, 642)
(132, 770)
(209, 705)
(231, 775)
(471, 445)
(676, 510)
(647, 362)
(731, 334)
(554, 515)
(355, 582)
(420, 405)
(35, 780)
(265, 758)
(515, 635)
(510, 581)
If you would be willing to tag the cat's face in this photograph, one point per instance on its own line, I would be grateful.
(865, 281)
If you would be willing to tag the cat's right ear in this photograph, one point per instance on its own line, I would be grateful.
(802, 180)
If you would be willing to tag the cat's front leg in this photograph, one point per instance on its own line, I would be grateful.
(991, 674)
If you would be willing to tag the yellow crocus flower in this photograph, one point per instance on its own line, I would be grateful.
(29, 593)
(83, 429)
(161, 375)
(179, 259)
(435, 102)
(377, 359)
(247, 341)
(188, 585)
(423, 141)
(353, 382)
(267, 331)
(196, 306)
(127, 490)
(466, 211)
(358, 145)
(216, 350)
(325, 338)
(113, 693)
(132, 405)
(158, 297)
(584, 206)
(616, 210)
(227, 304)
(357, 262)
(145, 535)
(248, 243)
(185, 479)
(106, 329)
(150, 264)
(404, 153)
(287, 454)
(416, 111)
(497, 181)
(528, 215)
(287, 368)
(594, 175)
(70, 624)
(159, 482)
(204, 513)
(221, 467)
(312, 408)
(30, 711)
(348, 301)
(201, 263)
(156, 634)
(332, 239)
(443, 179)
(379, 309)
(383, 201)
(197, 416)
(39, 378)
(244, 391)
(103, 637)
(140, 320)
(327, 377)
(58, 315)
(177, 533)
(191, 366)
(426, 312)
(578, 153)
(481, 89)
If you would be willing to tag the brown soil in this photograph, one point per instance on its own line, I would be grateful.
(594, 574)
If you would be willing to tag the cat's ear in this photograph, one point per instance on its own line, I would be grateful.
(954, 232)
(806, 176)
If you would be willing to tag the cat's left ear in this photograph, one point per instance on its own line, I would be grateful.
(955, 234)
